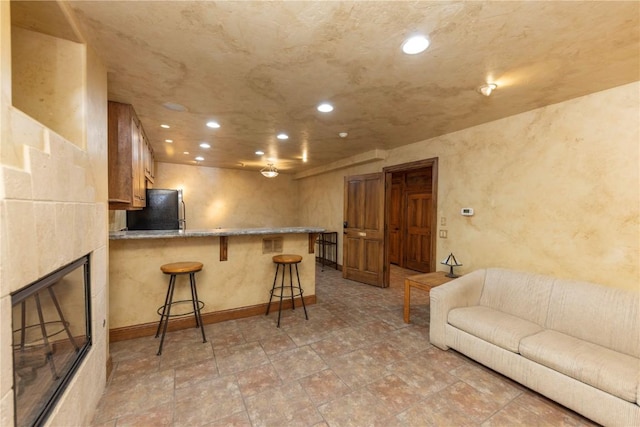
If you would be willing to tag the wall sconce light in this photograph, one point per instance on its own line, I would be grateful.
(487, 88)
(269, 171)
(451, 262)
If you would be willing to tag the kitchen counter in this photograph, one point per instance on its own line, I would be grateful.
(211, 232)
(234, 283)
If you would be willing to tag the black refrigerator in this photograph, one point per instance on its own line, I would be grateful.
(165, 210)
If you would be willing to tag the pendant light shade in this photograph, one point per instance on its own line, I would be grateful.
(269, 171)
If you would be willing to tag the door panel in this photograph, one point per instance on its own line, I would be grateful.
(395, 224)
(418, 248)
(364, 236)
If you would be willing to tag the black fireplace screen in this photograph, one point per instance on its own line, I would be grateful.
(51, 336)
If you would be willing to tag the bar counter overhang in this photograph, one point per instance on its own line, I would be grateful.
(234, 283)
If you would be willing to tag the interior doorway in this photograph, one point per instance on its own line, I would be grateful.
(410, 215)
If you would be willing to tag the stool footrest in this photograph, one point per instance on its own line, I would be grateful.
(184, 301)
(287, 295)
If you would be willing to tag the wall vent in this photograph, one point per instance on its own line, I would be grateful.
(272, 245)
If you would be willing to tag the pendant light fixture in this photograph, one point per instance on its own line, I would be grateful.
(269, 171)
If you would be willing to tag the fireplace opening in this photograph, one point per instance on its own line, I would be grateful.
(51, 323)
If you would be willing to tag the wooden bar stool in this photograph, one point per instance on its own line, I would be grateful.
(294, 291)
(174, 269)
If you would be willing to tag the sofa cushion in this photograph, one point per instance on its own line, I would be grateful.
(602, 315)
(600, 367)
(494, 326)
(524, 295)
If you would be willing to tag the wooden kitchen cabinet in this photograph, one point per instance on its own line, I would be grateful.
(149, 161)
(128, 147)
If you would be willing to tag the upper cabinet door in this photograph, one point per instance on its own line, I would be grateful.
(127, 185)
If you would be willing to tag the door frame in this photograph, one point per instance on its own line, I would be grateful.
(405, 167)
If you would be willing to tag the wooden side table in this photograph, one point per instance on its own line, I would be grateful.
(421, 281)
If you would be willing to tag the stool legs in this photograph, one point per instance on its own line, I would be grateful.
(196, 305)
(166, 311)
(301, 297)
(282, 287)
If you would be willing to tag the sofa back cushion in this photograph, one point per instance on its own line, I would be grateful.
(602, 315)
(525, 295)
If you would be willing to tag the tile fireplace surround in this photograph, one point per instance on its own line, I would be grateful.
(41, 232)
(53, 200)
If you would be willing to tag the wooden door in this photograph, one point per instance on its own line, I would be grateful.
(418, 241)
(395, 224)
(363, 242)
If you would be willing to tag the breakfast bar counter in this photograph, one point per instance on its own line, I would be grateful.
(209, 232)
(235, 281)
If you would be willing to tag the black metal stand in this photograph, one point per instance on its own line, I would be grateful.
(281, 289)
(169, 302)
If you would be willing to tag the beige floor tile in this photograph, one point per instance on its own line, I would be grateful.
(324, 386)
(161, 416)
(287, 405)
(488, 382)
(358, 408)
(240, 357)
(256, 380)
(277, 343)
(240, 419)
(357, 369)
(466, 400)
(422, 374)
(207, 401)
(435, 411)
(395, 394)
(147, 391)
(297, 363)
(189, 375)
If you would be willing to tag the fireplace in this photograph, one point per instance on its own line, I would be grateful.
(51, 336)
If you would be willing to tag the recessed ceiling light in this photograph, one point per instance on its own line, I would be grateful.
(282, 136)
(343, 134)
(260, 153)
(415, 44)
(205, 145)
(325, 107)
(213, 125)
(271, 159)
(486, 89)
(185, 152)
(168, 140)
(165, 126)
(199, 158)
(174, 106)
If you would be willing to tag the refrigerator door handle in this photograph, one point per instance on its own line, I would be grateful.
(182, 218)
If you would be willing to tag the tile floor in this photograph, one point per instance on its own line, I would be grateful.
(353, 363)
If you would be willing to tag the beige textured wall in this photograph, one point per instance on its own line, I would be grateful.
(555, 190)
(230, 198)
(48, 82)
(53, 210)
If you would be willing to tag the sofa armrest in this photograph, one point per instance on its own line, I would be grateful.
(462, 292)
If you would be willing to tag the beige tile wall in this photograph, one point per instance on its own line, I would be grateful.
(53, 210)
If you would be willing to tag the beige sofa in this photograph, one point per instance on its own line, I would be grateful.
(577, 343)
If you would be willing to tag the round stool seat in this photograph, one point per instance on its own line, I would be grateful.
(181, 267)
(287, 259)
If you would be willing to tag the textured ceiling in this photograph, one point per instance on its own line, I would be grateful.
(260, 68)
